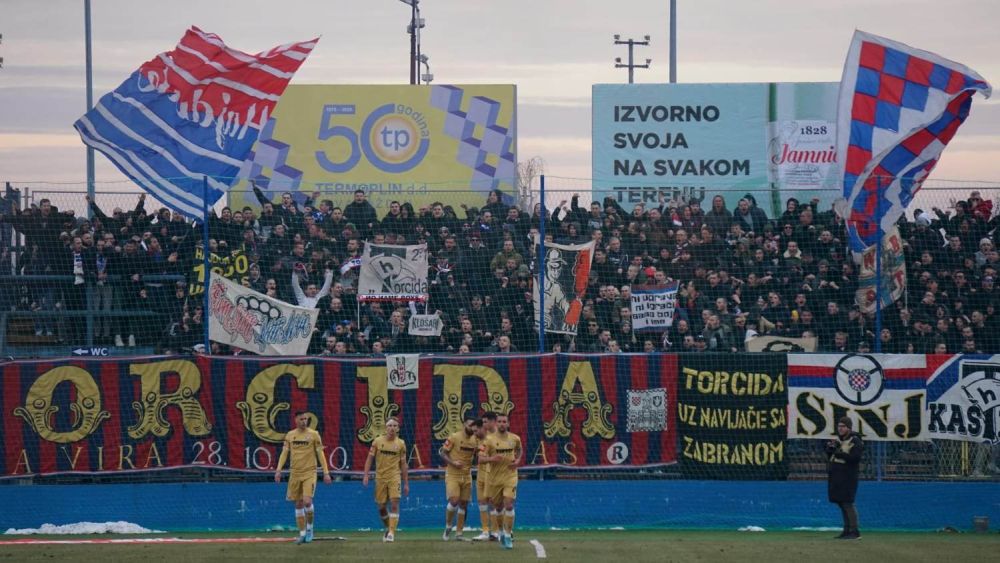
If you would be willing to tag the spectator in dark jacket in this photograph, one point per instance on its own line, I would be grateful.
(844, 453)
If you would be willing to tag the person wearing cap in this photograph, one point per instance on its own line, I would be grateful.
(844, 461)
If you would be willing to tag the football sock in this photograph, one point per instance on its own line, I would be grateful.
(484, 517)
(310, 516)
(449, 515)
(508, 521)
(495, 520)
(385, 520)
(461, 520)
(393, 522)
(300, 519)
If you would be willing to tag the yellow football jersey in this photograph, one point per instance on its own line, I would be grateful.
(509, 447)
(387, 455)
(463, 448)
(305, 451)
(484, 466)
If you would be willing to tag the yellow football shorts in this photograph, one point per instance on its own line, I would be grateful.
(482, 484)
(458, 486)
(386, 490)
(500, 489)
(301, 486)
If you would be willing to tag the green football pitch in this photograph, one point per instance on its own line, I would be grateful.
(624, 546)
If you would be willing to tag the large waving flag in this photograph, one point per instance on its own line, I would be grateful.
(898, 108)
(192, 112)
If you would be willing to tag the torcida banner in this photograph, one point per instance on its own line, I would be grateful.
(154, 413)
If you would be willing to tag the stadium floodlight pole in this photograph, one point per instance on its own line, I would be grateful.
(631, 65)
(90, 96)
(673, 41)
(541, 269)
(206, 262)
(412, 30)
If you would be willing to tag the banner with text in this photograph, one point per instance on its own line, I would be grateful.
(731, 416)
(653, 308)
(234, 266)
(395, 142)
(231, 413)
(693, 141)
(392, 272)
(254, 322)
(963, 399)
(883, 393)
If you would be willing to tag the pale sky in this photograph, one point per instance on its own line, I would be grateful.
(553, 50)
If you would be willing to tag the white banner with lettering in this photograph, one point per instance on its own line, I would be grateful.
(392, 272)
(653, 309)
(254, 322)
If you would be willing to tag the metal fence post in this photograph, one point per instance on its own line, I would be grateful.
(89, 297)
(880, 446)
(541, 270)
(207, 263)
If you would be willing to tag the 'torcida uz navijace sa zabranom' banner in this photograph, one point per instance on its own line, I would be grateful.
(151, 413)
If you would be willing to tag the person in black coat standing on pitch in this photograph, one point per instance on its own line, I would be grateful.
(844, 453)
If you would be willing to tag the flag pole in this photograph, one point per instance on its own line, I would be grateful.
(90, 97)
(880, 447)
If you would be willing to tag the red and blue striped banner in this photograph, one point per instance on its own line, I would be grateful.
(154, 413)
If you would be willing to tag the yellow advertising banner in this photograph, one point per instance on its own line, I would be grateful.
(419, 144)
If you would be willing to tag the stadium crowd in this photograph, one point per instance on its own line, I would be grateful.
(740, 274)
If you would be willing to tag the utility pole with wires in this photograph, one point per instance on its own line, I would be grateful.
(631, 65)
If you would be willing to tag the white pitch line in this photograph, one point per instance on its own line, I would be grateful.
(539, 549)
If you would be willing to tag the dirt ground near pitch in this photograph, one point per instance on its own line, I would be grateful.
(631, 546)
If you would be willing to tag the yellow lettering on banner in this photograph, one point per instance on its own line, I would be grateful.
(100, 458)
(379, 409)
(568, 448)
(778, 419)
(153, 454)
(415, 455)
(22, 459)
(589, 397)
(72, 460)
(737, 383)
(259, 409)
(754, 454)
(540, 452)
(452, 406)
(38, 410)
(153, 402)
(124, 458)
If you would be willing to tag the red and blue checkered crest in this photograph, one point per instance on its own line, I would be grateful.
(898, 108)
